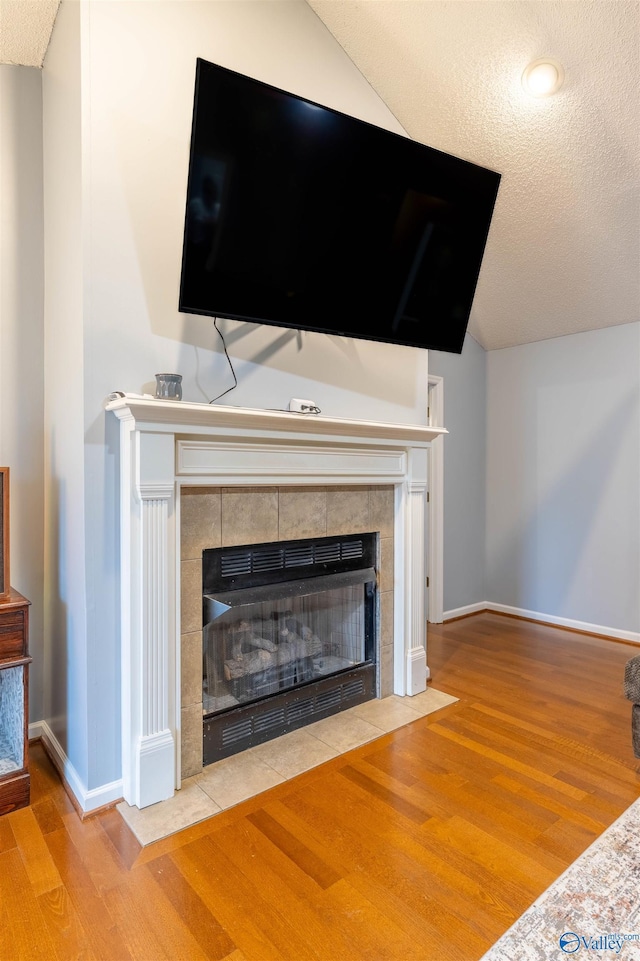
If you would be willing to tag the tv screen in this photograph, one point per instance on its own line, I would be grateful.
(301, 216)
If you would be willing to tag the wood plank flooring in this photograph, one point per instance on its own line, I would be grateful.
(424, 845)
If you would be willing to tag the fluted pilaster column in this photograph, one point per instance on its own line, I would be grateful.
(156, 735)
(149, 615)
(416, 575)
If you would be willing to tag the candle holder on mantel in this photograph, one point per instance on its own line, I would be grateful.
(169, 386)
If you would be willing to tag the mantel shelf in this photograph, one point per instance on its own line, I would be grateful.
(185, 417)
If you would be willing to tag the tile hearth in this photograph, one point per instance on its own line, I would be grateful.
(234, 779)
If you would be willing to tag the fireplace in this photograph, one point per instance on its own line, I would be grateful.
(167, 447)
(289, 636)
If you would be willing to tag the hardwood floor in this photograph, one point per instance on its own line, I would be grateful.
(426, 844)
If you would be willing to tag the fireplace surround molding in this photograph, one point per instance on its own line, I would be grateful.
(167, 445)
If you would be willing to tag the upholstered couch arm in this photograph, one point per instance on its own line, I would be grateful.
(632, 679)
(632, 692)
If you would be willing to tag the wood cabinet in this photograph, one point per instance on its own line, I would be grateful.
(14, 702)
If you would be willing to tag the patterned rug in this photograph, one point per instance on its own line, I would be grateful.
(593, 909)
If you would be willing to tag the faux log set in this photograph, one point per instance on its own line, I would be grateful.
(252, 653)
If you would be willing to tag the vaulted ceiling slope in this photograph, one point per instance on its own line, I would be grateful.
(563, 254)
(25, 30)
(564, 248)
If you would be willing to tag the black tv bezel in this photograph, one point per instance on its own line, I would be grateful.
(335, 330)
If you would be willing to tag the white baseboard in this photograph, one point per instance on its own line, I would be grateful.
(88, 800)
(463, 611)
(569, 622)
(35, 730)
(574, 625)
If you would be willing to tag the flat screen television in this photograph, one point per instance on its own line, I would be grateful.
(300, 216)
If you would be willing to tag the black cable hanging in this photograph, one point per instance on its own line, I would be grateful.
(235, 379)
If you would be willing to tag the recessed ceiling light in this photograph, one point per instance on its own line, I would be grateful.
(543, 77)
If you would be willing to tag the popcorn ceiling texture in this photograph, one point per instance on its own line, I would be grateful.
(25, 28)
(564, 248)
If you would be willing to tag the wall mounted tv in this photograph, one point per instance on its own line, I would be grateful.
(301, 216)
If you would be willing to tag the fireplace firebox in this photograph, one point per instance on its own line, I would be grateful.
(289, 636)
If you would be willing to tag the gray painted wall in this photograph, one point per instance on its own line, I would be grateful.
(116, 155)
(549, 434)
(464, 473)
(21, 344)
(563, 477)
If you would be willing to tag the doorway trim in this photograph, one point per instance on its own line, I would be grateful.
(435, 507)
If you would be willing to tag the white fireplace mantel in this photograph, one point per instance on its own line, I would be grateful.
(165, 445)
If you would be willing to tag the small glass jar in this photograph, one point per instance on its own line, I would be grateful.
(169, 386)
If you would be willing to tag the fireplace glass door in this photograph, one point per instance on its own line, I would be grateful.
(289, 636)
(262, 647)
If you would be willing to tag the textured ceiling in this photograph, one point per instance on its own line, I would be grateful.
(25, 28)
(564, 248)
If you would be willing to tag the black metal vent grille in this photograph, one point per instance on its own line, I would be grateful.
(268, 720)
(255, 565)
(237, 731)
(250, 560)
(230, 732)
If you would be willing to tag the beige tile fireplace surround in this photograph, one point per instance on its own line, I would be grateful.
(196, 475)
(227, 516)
